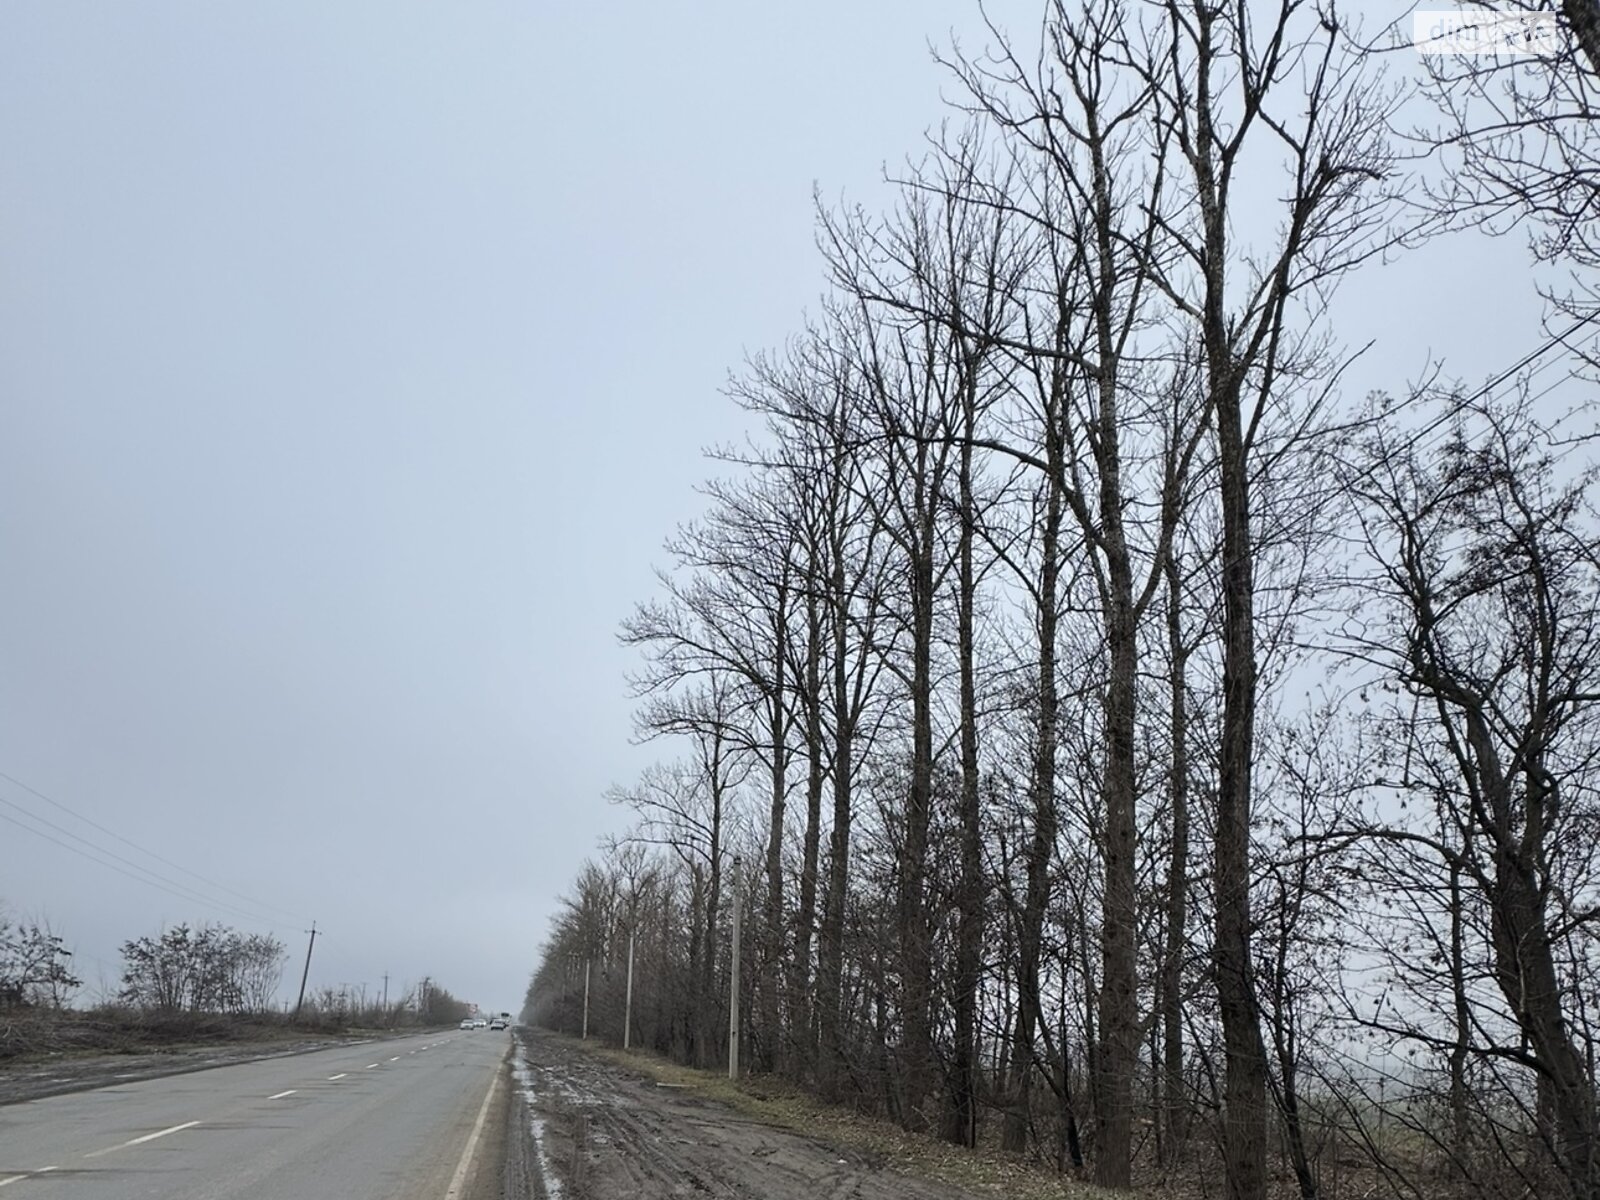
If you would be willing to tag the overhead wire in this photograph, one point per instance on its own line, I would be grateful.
(127, 867)
(1458, 404)
(211, 883)
(165, 886)
(192, 898)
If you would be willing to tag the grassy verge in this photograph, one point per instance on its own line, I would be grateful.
(983, 1171)
(29, 1035)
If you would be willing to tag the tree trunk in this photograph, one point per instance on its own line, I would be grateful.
(1119, 991)
(1525, 968)
(767, 1041)
(1460, 1131)
(800, 970)
(1294, 1132)
(1119, 994)
(708, 1042)
(1042, 801)
(1245, 1057)
(962, 1125)
(916, 966)
(1177, 877)
(1244, 1088)
(830, 952)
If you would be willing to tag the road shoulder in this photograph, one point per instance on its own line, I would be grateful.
(482, 1172)
(602, 1126)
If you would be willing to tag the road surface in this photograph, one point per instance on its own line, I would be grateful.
(388, 1120)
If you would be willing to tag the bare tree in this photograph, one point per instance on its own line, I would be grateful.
(812, 401)
(687, 807)
(1519, 146)
(950, 267)
(1491, 571)
(1126, 425)
(1224, 78)
(35, 967)
(729, 613)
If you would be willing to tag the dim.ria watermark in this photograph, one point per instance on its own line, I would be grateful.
(1484, 32)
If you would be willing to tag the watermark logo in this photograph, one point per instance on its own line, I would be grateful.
(1484, 32)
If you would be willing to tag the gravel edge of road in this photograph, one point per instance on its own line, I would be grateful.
(520, 1178)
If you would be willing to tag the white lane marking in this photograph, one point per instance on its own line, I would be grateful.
(149, 1137)
(369, 1066)
(459, 1180)
(340, 1075)
(11, 1179)
(396, 1058)
(281, 1095)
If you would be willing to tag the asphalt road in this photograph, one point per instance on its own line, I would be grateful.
(387, 1120)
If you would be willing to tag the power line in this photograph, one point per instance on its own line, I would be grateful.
(1457, 405)
(222, 887)
(102, 862)
(147, 876)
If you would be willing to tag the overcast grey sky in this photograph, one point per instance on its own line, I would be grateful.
(355, 360)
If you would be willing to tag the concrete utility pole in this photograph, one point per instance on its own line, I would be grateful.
(585, 1000)
(305, 974)
(627, 1007)
(733, 982)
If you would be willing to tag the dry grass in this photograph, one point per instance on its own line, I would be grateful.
(29, 1035)
(984, 1172)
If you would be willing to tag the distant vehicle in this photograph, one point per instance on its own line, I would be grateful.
(479, 1023)
(468, 1023)
(497, 1023)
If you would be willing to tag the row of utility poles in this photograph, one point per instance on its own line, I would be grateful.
(305, 974)
(733, 987)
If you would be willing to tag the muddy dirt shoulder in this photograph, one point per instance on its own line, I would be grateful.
(603, 1126)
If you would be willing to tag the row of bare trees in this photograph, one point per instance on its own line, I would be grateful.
(1142, 757)
(345, 1005)
(206, 968)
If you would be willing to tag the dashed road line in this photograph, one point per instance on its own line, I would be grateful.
(149, 1137)
(396, 1058)
(369, 1066)
(281, 1095)
(340, 1075)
